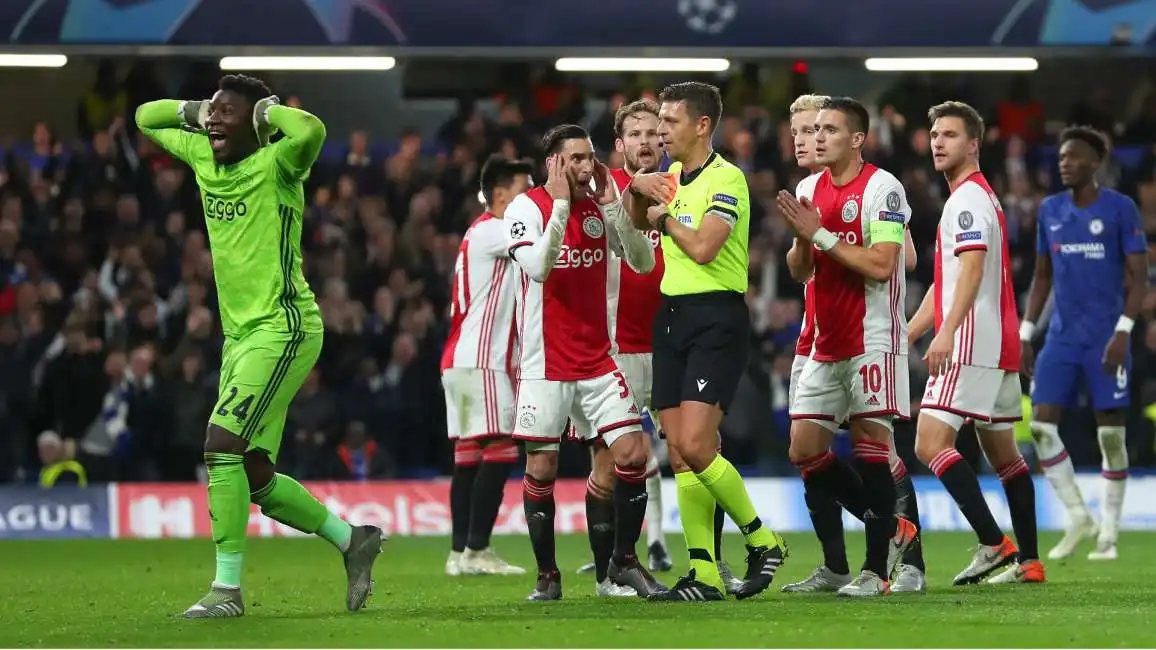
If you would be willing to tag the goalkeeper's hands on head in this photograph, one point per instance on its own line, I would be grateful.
(195, 113)
(261, 125)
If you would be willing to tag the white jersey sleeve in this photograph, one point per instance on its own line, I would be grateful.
(534, 248)
(488, 239)
(969, 220)
(806, 187)
(885, 210)
(626, 241)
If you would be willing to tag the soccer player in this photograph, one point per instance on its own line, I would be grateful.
(252, 198)
(701, 334)
(633, 301)
(560, 236)
(974, 358)
(476, 375)
(1092, 251)
(825, 511)
(854, 215)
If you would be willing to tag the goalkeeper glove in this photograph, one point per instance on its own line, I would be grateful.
(194, 114)
(261, 125)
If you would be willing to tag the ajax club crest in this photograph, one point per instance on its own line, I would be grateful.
(592, 226)
(850, 210)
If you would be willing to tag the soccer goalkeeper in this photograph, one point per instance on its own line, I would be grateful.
(253, 198)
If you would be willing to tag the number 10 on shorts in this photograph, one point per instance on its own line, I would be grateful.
(872, 378)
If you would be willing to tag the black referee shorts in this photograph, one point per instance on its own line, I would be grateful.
(700, 348)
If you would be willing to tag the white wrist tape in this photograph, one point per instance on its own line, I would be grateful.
(1027, 328)
(824, 239)
(1125, 324)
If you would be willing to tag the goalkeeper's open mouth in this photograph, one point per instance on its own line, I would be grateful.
(217, 140)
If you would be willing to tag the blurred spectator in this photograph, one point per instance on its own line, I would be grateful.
(357, 458)
(57, 467)
(105, 103)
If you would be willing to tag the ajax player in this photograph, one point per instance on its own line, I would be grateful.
(476, 374)
(632, 303)
(974, 357)
(855, 215)
(825, 511)
(560, 236)
(1092, 252)
(253, 197)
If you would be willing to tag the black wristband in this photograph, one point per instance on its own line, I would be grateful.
(662, 224)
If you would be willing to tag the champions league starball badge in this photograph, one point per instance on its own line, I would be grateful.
(893, 201)
(708, 16)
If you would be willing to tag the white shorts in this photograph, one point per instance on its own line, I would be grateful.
(639, 371)
(872, 385)
(796, 372)
(986, 395)
(479, 403)
(601, 407)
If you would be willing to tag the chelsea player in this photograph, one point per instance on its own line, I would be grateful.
(1091, 250)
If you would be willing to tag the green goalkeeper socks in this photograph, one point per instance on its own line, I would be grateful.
(726, 486)
(287, 501)
(229, 513)
(696, 510)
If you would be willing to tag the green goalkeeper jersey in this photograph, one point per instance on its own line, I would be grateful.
(253, 215)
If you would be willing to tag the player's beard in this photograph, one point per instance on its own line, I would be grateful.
(637, 166)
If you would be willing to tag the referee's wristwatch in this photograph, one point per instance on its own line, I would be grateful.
(662, 223)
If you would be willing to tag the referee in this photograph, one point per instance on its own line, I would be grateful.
(701, 334)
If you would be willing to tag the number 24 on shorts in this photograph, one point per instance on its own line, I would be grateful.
(241, 410)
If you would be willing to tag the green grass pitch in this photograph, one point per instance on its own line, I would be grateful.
(129, 593)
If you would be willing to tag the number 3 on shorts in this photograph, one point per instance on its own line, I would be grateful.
(625, 394)
(240, 411)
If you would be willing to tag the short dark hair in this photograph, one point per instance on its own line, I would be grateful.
(859, 119)
(552, 141)
(633, 108)
(972, 122)
(1097, 140)
(499, 171)
(250, 88)
(701, 99)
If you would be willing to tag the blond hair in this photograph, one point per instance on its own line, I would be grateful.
(807, 103)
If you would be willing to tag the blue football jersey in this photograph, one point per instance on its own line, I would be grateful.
(1088, 248)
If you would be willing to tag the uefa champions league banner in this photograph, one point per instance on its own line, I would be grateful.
(421, 508)
(532, 23)
(62, 512)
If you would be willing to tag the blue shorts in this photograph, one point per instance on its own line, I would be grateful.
(1063, 369)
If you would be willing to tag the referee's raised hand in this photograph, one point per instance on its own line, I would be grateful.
(557, 185)
(656, 186)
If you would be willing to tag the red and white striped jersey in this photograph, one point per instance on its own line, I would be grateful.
(807, 333)
(973, 220)
(854, 314)
(563, 324)
(482, 314)
(633, 297)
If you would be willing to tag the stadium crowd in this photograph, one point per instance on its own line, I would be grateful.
(109, 339)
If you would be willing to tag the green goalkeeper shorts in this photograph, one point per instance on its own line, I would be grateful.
(261, 372)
